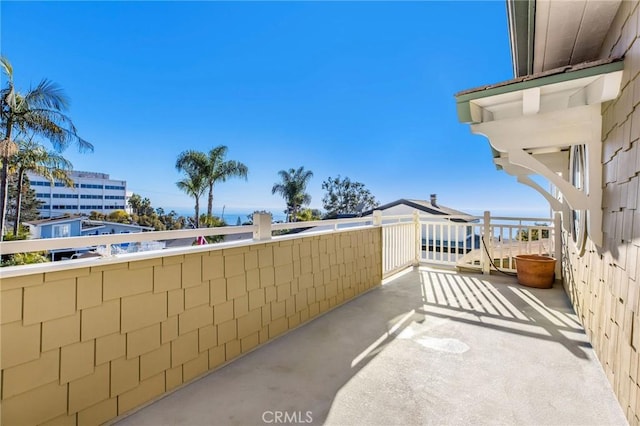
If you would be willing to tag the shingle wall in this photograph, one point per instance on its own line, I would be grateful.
(82, 346)
(604, 284)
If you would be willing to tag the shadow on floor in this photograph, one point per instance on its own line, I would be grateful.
(429, 347)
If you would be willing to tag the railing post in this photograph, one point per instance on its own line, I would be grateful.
(417, 240)
(262, 226)
(557, 241)
(486, 244)
(377, 218)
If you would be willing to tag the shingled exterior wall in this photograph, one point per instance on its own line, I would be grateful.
(82, 346)
(604, 285)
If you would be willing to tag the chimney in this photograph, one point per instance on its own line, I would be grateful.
(433, 200)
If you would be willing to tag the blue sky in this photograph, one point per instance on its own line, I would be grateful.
(358, 89)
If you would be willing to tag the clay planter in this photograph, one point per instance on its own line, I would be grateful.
(535, 271)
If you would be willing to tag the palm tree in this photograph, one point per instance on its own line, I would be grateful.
(219, 170)
(192, 163)
(213, 168)
(41, 111)
(292, 188)
(194, 186)
(32, 157)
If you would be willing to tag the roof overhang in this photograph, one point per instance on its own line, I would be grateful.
(587, 83)
(521, 18)
(552, 33)
(532, 122)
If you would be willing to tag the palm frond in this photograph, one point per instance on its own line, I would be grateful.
(7, 68)
(47, 94)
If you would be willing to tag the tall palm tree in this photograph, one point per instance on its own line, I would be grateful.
(292, 188)
(41, 110)
(194, 186)
(32, 157)
(192, 163)
(219, 170)
(213, 168)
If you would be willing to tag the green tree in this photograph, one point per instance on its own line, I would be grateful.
(32, 157)
(94, 215)
(119, 216)
(306, 215)
(346, 197)
(170, 220)
(292, 187)
(140, 206)
(135, 202)
(24, 259)
(217, 169)
(144, 214)
(212, 222)
(39, 111)
(29, 205)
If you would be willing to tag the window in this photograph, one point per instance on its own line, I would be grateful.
(61, 231)
(577, 172)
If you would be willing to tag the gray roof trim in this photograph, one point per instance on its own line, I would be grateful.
(558, 75)
(47, 221)
(436, 211)
(521, 19)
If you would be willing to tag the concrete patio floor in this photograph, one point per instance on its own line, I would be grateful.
(428, 347)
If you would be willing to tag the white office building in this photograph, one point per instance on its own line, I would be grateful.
(91, 192)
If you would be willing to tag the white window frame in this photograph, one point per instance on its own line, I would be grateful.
(577, 175)
(61, 231)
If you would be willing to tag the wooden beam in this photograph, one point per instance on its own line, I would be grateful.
(531, 101)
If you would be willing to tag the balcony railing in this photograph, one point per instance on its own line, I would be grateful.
(471, 242)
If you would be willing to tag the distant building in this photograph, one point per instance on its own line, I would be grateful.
(439, 237)
(91, 192)
(77, 225)
(429, 207)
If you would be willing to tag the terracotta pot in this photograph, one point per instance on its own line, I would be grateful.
(535, 270)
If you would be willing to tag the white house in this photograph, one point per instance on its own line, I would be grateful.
(430, 208)
(435, 218)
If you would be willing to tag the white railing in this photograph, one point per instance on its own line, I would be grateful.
(486, 243)
(510, 239)
(471, 242)
(445, 241)
(398, 246)
(89, 241)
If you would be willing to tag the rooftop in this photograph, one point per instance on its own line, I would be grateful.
(427, 206)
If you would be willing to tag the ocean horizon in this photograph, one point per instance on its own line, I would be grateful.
(230, 216)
